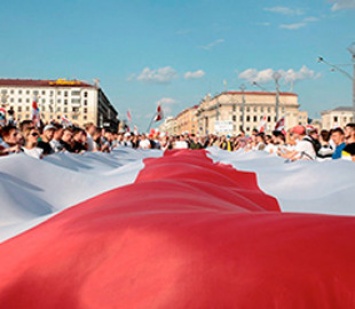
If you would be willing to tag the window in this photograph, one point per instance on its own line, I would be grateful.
(58, 109)
(345, 119)
(43, 100)
(58, 92)
(20, 100)
(75, 109)
(51, 93)
(335, 118)
(65, 109)
(248, 109)
(75, 117)
(241, 118)
(269, 109)
(59, 101)
(234, 118)
(19, 109)
(85, 102)
(75, 92)
(86, 110)
(20, 92)
(27, 92)
(234, 107)
(12, 100)
(27, 100)
(75, 100)
(43, 109)
(268, 118)
(11, 91)
(255, 118)
(27, 116)
(248, 118)
(35, 92)
(65, 102)
(85, 117)
(85, 94)
(65, 93)
(43, 92)
(27, 108)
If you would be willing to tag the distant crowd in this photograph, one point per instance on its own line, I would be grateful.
(297, 143)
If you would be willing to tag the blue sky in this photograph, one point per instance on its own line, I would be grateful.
(175, 52)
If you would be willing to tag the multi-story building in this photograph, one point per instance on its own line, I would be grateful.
(228, 112)
(186, 121)
(337, 117)
(78, 101)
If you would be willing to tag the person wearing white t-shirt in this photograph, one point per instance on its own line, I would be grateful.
(303, 149)
(31, 140)
(144, 143)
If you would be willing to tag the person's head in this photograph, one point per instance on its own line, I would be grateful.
(298, 132)
(48, 132)
(324, 136)
(25, 124)
(79, 135)
(10, 135)
(67, 135)
(31, 135)
(260, 138)
(350, 133)
(97, 134)
(58, 133)
(90, 128)
(337, 135)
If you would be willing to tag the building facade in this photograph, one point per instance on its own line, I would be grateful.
(337, 117)
(229, 112)
(186, 121)
(78, 101)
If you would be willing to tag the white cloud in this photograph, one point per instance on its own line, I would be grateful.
(212, 44)
(161, 76)
(343, 4)
(290, 76)
(294, 26)
(194, 75)
(284, 10)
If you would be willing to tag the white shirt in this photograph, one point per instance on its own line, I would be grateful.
(305, 150)
(34, 152)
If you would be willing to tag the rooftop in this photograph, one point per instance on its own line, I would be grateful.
(43, 83)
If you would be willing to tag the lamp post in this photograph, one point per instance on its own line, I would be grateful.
(276, 77)
(351, 49)
(242, 88)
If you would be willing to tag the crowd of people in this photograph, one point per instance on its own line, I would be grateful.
(298, 143)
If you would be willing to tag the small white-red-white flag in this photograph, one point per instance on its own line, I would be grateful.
(263, 124)
(280, 124)
(36, 118)
(129, 116)
(159, 114)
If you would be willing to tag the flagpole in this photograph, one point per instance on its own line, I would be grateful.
(150, 124)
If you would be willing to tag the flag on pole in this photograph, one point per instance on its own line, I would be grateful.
(280, 125)
(129, 116)
(36, 117)
(263, 124)
(65, 121)
(159, 114)
(2, 117)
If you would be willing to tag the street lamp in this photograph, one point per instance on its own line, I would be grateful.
(351, 49)
(276, 77)
(242, 88)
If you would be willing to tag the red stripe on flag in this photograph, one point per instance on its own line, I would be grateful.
(187, 234)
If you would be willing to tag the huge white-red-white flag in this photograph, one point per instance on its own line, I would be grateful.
(175, 229)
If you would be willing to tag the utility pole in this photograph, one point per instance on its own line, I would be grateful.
(242, 88)
(276, 77)
(351, 49)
